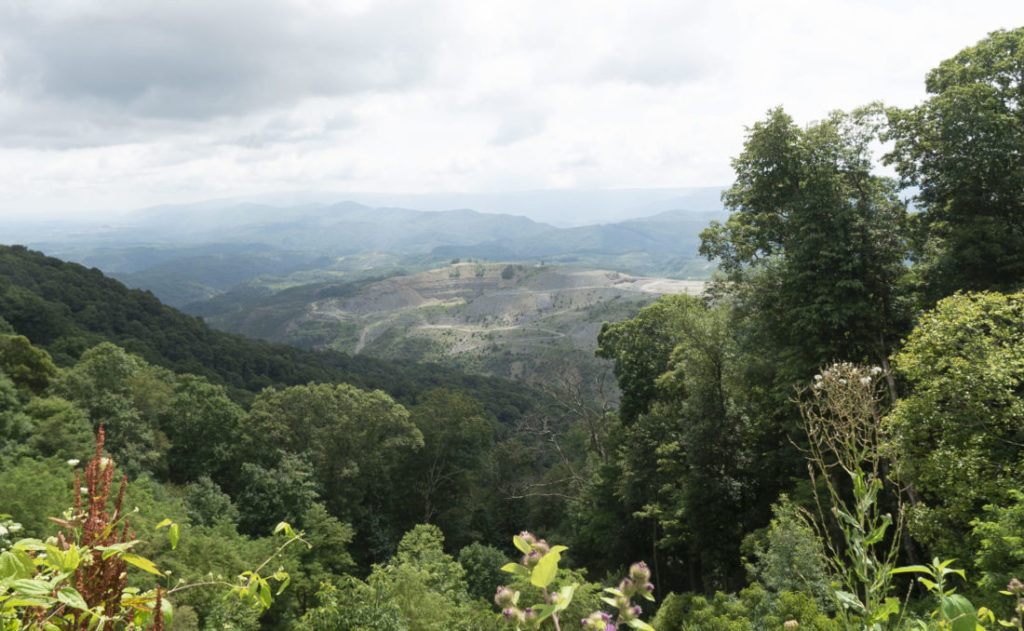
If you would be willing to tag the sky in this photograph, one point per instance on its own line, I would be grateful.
(109, 105)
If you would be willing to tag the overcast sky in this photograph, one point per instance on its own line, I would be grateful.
(124, 103)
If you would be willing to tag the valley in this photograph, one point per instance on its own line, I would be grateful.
(501, 319)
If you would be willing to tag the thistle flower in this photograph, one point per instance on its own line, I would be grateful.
(504, 597)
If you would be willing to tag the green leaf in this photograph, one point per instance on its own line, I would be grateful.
(32, 587)
(960, 612)
(111, 550)
(637, 623)
(15, 565)
(70, 596)
(265, 598)
(284, 527)
(544, 612)
(906, 569)
(849, 601)
(142, 563)
(521, 544)
(172, 535)
(167, 609)
(515, 568)
(164, 523)
(30, 544)
(565, 596)
(546, 568)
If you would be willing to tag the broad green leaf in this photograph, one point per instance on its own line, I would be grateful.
(32, 587)
(515, 568)
(637, 623)
(142, 563)
(849, 601)
(162, 524)
(546, 568)
(70, 596)
(544, 612)
(30, 544)
(115, 548)
(960, 612)
(172, 535)
(15, 565)
(28, 601)
(521, 544)
(565, 597)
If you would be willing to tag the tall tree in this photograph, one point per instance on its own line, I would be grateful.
(961, 427)
(964, 150)
(814, 245)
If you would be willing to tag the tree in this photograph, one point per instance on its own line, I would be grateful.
(456, 438)
(959, 429)
(204, 427)
(964, 150)
(126, 395)
(27, 366)
(353, 439)
(814, 245)
(683, 458)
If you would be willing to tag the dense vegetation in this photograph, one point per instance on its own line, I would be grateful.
(843, 410)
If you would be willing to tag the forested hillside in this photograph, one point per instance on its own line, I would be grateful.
(830, 438)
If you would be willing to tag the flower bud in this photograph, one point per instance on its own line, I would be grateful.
(1015, 587)
(532, 558)
(528, 537)
(627, 586)
(640, 573)
(504, 597)
(542, 546)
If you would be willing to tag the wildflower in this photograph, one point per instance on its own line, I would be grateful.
(73, 462)
(790, 625)
(639, 572)
(505, 597)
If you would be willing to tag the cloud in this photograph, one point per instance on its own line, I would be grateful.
(114, 64)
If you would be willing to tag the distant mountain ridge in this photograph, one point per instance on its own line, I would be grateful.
(189, 253)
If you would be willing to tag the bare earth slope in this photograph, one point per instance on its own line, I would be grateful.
(494, 318)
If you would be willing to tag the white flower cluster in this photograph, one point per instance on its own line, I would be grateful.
(841, 370)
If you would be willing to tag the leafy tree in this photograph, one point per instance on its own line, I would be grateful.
(283, 492)
(207, 505)
(814, 245)
(963, 148)
(429, 586)
(27, 366)
(32, 491)
(354, 605)
(788, 556)
(353, 439)
(61, 428)
(683, 461)
(959, 429)
(482, 564)
(204, 429)
(126, 395)
(443, 474)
